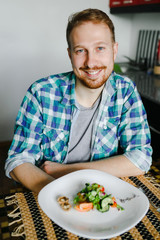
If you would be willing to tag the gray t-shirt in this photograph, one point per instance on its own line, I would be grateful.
(81, 133)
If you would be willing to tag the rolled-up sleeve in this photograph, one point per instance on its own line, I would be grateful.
(134, 132)
(26, 142)
(139, 159)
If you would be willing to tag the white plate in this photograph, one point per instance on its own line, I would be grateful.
(94, 224)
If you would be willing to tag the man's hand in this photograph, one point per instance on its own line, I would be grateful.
(54, 169)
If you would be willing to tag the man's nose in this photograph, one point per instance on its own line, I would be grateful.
(91, 59)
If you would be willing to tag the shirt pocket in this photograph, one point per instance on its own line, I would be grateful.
(55, 144)
(107, 136)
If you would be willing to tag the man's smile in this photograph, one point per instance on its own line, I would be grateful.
(94, 72)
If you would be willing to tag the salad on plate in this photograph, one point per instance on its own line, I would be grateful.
(93, 196)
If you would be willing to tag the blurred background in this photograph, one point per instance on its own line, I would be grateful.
(33, 45)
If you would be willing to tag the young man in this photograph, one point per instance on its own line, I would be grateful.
(77, 120)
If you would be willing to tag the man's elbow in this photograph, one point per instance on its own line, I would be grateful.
(13, 176)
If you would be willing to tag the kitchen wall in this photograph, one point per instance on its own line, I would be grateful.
(33, 45)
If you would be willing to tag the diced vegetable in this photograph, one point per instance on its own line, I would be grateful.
(114, 202)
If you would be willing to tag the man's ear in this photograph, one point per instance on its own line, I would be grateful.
(115, 50)
(69, 53)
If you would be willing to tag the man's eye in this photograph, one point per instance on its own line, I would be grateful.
(100, 48)
(80, 51)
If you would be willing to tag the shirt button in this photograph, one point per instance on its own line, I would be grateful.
(97, 139)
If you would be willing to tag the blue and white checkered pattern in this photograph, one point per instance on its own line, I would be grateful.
(44, 120)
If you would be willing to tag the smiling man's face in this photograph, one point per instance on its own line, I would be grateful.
(92, 53)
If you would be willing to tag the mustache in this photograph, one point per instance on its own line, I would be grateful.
(92, 69)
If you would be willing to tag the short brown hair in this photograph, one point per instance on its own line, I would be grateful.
(88, 15)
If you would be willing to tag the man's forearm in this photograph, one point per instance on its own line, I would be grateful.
(119, 166)
(31, 176)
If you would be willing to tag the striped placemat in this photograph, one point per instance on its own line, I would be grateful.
(33, 223)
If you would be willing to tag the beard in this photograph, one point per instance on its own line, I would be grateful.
(90, 81)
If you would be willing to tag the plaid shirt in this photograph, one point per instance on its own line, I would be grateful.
(44, 121)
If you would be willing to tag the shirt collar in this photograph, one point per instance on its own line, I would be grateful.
(110, 86)
(69, 89)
